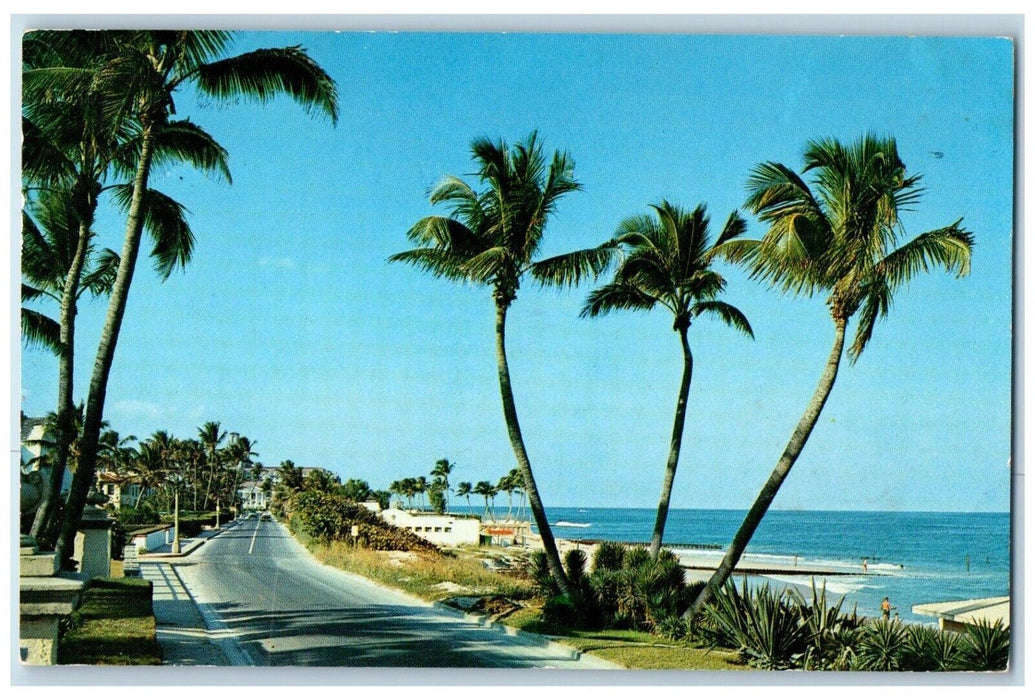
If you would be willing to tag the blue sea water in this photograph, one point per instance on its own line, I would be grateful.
(912, 557)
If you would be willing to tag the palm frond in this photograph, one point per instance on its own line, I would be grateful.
(876, 304)
(39, 330)
(616, 296)
(166, 222)
(948, 247)
(570, 269)
(101, 278)
(266, 73)
(490, 265)
(179, 142)
(730, 315)
(437, 261)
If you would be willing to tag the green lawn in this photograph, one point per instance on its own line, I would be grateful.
(114, 625)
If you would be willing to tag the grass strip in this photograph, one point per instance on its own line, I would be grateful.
(113, 626)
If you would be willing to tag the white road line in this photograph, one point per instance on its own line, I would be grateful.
(252, 546)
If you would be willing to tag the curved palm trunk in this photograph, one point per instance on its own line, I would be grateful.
(674, 446)
(517, 442)
(41, 524)
(83, 479)
(783, 467)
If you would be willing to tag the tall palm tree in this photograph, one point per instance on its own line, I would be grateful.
(420, 489)
(668, 263)
(142, 72)
(839, 236)
(442, 469)
(211, 437)
(71, 145)
(492, 237)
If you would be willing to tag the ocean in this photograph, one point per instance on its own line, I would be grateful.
(911, 557)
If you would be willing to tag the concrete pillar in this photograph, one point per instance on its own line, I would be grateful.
(93, 543)
(44, 597)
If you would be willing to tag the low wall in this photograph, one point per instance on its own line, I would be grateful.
(151, 538)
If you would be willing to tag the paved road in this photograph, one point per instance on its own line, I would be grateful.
(267, 602)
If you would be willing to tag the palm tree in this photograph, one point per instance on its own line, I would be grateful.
(492, 237)
(141, 74)
(487, 491)
(420, 488)
(441, 471)
(211, 437)
(838, 236)
(464, 489)
(70, 145)
(668, 263)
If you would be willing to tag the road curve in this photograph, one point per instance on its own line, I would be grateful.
(267, 602)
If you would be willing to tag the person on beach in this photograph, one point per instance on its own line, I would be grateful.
(885, 608)
(864, 564)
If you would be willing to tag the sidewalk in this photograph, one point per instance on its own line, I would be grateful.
(181, 629)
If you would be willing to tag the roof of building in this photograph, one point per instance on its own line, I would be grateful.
(970, 612)
(28, 423)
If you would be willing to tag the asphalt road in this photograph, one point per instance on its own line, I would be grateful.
(267, 602)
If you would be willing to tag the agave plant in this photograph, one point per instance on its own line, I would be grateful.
(763, 625)
(828, 644)
(986, 647)
(881, 647)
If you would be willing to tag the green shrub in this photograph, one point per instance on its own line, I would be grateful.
(929, 649)
(542, 577)
(986, 647)
(609, 557)
(331, 517)
(831, 635)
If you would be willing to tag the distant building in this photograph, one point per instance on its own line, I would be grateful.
(36, 443)
(957, 615)
(252, 497)
(446, 529)
(120, 490)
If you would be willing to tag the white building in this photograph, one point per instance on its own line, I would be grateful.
(447, 530)
(36, 442)
(252, 496)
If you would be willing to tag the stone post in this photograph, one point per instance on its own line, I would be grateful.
(93, 543)
(45, 596)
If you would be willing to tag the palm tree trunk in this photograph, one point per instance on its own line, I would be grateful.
(66, 405)
(517, 442)
(83, 479)
(674, 446)
(790, 454)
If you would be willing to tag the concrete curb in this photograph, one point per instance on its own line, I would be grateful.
(556, 647)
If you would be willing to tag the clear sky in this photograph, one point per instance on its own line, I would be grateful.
(290, 327)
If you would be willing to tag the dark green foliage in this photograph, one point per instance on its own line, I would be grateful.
(986, 647)
(765, 626)
(626, 590)
(539, 572)
(329, 517)
(881, 647)
(930, 649)
(608, 557)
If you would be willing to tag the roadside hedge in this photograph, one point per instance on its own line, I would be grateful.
(329, 517)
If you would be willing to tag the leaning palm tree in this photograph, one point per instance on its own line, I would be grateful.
(142, 72)
(492, 237)
(838, 236)
(668, 263)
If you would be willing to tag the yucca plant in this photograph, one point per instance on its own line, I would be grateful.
(542, 577)
(762, 625)
(825, 623)
(986, 647)
(881, 646)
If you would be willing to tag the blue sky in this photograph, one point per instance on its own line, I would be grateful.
(290, 327)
